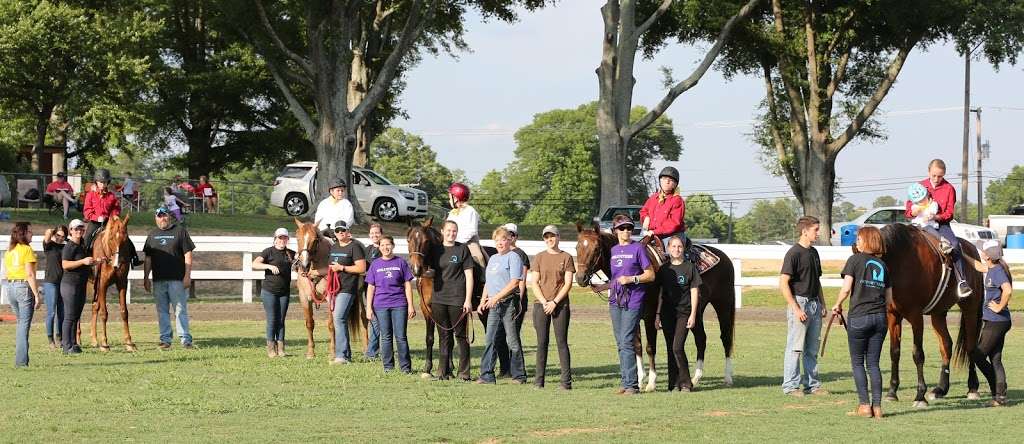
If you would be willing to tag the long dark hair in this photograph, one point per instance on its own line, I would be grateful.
(19, 233)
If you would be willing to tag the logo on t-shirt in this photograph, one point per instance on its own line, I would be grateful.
(877, 278)
(387, 274)
(682, 280)
(454, 259)
(163, 239)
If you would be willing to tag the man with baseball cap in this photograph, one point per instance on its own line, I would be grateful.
(335, 207)
(169, 257)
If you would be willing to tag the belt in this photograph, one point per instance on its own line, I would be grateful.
(14, 281)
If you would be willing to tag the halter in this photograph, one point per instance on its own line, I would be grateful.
(333, 278)
(428, 240)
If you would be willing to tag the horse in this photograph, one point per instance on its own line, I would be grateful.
(110, 249)
(593, 250)
(917, 267)
(311, 261)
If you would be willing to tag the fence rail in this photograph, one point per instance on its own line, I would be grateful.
(247, 246)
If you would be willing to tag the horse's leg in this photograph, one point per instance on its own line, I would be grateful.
(333, 347)
(122, 290)
(725, 310)
(638, 350)
(895, 321)
(946, 351)
(104, 314)
(972, 382)
(917, 327)
(428, 366)
(307, 312)
(95, 314)
(700, 339)
(650, 329)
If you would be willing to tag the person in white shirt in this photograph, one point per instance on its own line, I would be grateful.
(335, 207)
(468, 220)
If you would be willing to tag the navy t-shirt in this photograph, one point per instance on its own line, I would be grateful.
(870, 279)
(994, 280)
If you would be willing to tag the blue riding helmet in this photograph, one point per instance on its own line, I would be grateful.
(916, 192)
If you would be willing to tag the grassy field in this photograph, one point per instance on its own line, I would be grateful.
(228, 391)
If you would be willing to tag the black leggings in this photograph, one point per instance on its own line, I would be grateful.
(542, 324)
(445, 316)
(988, 356)
(73, 297)
(673, 325)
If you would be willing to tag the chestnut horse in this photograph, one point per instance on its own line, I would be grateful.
(593, 253)
(312, 260)
(917, 264)
(110, 249)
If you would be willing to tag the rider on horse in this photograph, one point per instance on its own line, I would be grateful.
(664, 212)
(944, 195)
(100, 205)
(468, 221)
(335, 207)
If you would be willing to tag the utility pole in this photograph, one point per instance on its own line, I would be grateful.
(729, 236)
(964, 166)
(977, 121)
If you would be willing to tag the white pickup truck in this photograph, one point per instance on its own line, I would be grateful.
(1004, 224)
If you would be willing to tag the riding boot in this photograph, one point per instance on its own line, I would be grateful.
(280, 349)
(271, 349)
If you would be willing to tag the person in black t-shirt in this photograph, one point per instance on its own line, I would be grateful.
(680, 290)
(866, 281)
(452, 300)
(277, 262)
(348, 259)
(53, 246)
(76, 269)
(800, 284)
(373, 332)
(169, 257)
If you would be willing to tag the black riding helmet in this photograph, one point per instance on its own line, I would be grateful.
(669, 172)
(102, 175)
(337, 183)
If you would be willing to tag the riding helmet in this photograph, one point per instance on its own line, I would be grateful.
(459, 191)
(916, 192)
(337, 183)
(669, 172)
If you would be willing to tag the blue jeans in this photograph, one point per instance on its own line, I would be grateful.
(23, 305)
(624, 324)
(502, 317)
(165, 294)
(393, 322)
(54, 308)
(947, 232)
(865, 335)
(373, 347)
(276, 309)
(802, 342)
(342, 305)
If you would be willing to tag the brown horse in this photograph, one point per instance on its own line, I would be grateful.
(110, 249)
(312, 263)
(917, 268)
(593, 250)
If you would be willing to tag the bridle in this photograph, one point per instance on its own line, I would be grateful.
(592, 266)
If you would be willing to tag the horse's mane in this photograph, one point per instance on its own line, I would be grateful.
(103, 244)
(898, 238)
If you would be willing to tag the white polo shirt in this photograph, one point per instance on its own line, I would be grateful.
(468, 220)
(330, 211)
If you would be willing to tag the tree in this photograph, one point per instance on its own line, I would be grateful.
(309, 48)
(554, 176)
(770, 220)
(80, 63)
(625, 24)
(404, 158)
(884, 201)
(845, 211)
(704, 218)
(1006, 193)
(495, 200)
(827, 66)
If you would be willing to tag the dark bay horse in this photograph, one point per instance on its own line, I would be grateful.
(916, 264)
(312, 260)
(111, 245)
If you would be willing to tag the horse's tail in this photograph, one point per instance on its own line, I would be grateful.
(357, 318)
(970, 311)
(729, 294)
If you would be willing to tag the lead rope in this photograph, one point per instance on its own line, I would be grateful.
(465, 316)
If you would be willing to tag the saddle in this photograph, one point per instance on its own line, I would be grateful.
(936, 245)
(702, 257)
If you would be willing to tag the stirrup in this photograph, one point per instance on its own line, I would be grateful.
(963, 290)
(945, 246)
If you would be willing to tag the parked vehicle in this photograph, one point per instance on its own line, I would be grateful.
(605, 221)
(880, 217)
(385, 200)
(1004, 224)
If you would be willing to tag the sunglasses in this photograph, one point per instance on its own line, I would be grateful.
(78, 229)
(162, 214)
(625, 228)
(340, 230)
(282, 237)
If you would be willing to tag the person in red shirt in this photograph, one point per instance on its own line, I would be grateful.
(62, 191)
(663, 213)
(100, 205)
(209, 197)
(944, 195)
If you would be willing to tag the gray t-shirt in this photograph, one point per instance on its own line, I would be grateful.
(502, 268)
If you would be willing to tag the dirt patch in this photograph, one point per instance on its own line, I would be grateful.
(566, 431)
(717, 413)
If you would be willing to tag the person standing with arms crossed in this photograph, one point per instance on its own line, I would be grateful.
(551, 280)
(373, 332)
(53, 245)
(800, 283)
(169, 258)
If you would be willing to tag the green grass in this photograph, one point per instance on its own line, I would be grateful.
(228, 391)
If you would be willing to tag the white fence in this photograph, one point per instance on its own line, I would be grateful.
(247, 246)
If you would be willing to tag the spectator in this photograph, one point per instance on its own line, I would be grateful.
(169, 257)
(501, 292)
(77, 266)
(551, 279)
(206, 192)
(53, 245)
(504, 356)
(389, 299)
(173, 204)
(61, 191)
(335, 207)
(277, 262)
(20, 262)
(373, 252)
(800, 283)
(129, 189)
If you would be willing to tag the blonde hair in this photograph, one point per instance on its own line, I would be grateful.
(499, 232)
(937, 163)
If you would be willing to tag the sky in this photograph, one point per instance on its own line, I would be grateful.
(468, 109)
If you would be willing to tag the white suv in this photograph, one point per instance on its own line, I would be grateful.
(294, 186)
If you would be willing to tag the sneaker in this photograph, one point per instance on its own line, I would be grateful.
(342, 361)
(188, 346)
(165, 346)
(565, 387)
(72, 352)
(76, 348)
(629, 392)
(518, 381)
(819, 392)
(483, 381)
(963, 290)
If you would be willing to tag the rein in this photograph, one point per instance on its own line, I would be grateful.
(333, 281)
(842, 321)
(465, 316)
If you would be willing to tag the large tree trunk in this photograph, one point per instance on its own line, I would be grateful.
(42, 125)
(357, 87)
(198, 156)
(818, 189)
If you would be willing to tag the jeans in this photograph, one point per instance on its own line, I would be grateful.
(946, 232)
(542, 324)
(988, 356)
(165, 294)
(802, 342)
(23, 305)
(373, 336)
(393, 323)
(451, 330)
(673, 324)
(865, 335)
(503, 317)
(54, 308)
(342, 305)
(276, 308)
(624, 324)
(501, 345)
(73, 299)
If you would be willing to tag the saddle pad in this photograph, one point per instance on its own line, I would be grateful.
(703, 257)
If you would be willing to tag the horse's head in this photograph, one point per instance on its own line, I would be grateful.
(421, 239)
(589, 253)
(307, 239)
(116, 233)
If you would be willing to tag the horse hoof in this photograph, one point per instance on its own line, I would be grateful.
(892, 398)
(104, 348)
(920, 404)
(426, 375)
(94, 344)
(649, 388)
(973, 396)
(727, 382)
(930, 396)
(310, 356)
(130, 348)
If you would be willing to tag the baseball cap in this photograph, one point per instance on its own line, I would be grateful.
(992, 249)
(340, 226)
(511, 228)
(620, 220)
(549, 229)
(61, 174)
(76, 223)
(161, 209)
(281, 232)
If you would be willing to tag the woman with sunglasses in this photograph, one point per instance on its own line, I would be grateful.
(277, 262)
(53, 246)
(77, 267)
(348, 259)
(631, 271)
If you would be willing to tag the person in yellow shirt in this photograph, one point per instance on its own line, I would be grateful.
(20, 263)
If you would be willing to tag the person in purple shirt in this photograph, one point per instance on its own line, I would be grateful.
(389, 301)
(631, 271)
